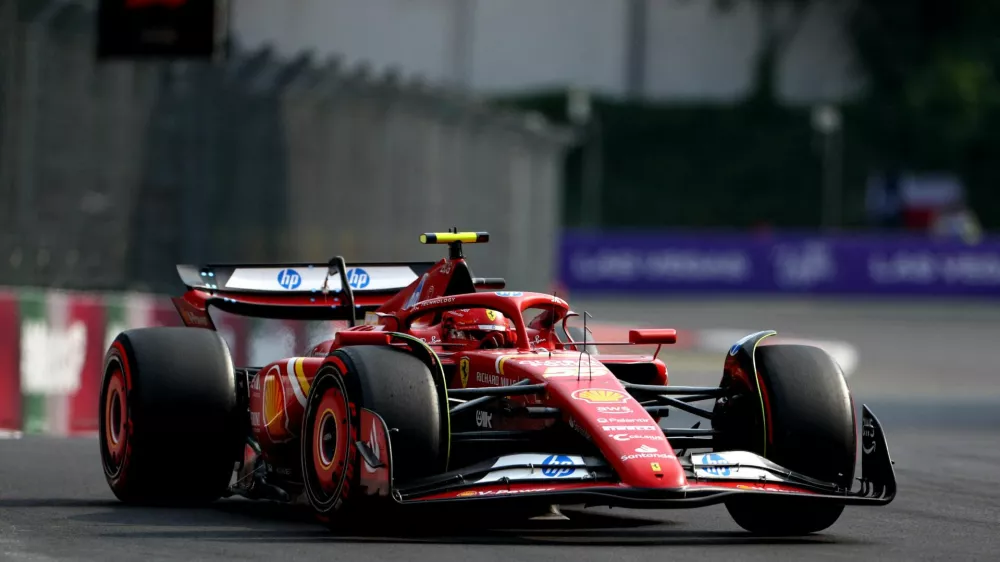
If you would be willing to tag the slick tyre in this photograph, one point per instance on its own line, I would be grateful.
(169, 418)
(802, 418)
(397, 386)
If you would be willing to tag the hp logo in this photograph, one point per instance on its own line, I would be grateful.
(557, 466)
(713, 458)
(357, 278)
(289, 279)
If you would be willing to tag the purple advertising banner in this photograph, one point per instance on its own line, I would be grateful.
(694, 262)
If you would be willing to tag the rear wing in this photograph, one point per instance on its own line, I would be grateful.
(331, 291)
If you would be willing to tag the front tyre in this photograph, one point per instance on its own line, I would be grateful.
(796, 411)
(397, 386)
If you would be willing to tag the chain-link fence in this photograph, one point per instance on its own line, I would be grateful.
(110, 173)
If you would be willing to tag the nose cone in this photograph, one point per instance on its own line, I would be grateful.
(596, 404)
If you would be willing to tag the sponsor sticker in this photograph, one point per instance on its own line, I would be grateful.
(435, 302)
(661, 456)
(614, 409)
(494, 380)
(508, 293)
(481, 493)
(627, 436)
(484, 419)
(289, 279)
(714, 459)
(763, 488)
(273, 278)
(195, 319)
(358, 278)
(557, 466)
(576, 426)
(552, 362)
(373, 444)
(646, 449)
(274, 400)
(575, 371)
(631, 428)
(599, 396)
(463, 370)
(415, 295)
(868, 443)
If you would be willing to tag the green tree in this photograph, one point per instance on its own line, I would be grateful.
(933, 94)
(931, 69)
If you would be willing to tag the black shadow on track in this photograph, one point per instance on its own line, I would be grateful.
(277, 523)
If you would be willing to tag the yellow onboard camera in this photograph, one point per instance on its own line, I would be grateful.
(452, 237)
(454, 240)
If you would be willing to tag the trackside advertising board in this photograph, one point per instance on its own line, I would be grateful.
(52, 346)
(616, 263)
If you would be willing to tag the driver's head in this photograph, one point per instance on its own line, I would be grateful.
(472, 325)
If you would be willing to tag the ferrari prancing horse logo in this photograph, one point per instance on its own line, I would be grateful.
(463, 370)
(491, 314)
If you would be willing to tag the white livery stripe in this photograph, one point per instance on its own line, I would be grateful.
(294, 381)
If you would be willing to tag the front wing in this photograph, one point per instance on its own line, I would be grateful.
(712, 478)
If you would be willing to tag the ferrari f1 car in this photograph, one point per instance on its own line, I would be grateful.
(447, 390)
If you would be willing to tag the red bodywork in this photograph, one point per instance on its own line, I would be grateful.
(591, 397)
(587, 390)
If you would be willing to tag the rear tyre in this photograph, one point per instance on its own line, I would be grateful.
(169, 419)
(803, 419)
(403, 391)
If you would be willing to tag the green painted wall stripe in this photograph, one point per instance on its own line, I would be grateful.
(32, 304)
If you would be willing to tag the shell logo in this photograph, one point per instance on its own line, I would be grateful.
(274, 399)
(599, 396)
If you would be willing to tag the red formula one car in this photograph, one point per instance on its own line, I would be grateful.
(454, 392)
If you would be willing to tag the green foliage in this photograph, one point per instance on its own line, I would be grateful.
(933, 93)
(932, 103)
(669, 165)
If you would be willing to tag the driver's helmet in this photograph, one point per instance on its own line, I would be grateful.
(473, 325)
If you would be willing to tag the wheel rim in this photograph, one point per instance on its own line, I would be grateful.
(330, 442)
(115, 420)
(326, 440)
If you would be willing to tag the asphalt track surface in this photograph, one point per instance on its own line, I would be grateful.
(927, 371)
